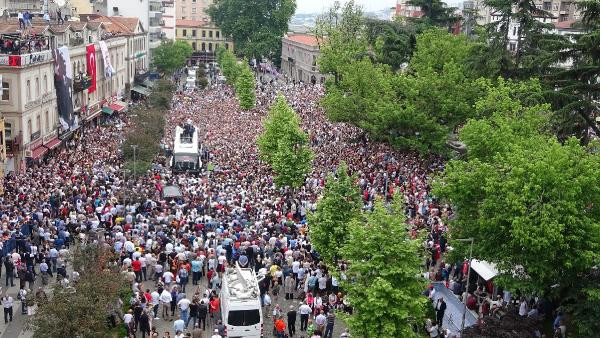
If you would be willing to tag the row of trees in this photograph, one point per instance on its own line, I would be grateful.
(171, 56)
(528, 185)
(239, 76)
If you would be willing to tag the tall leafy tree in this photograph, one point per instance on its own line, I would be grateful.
(575, 88)
(281, 122)
(255, 26)
(171, 55)
(340, 204)
(512, 197)
(292, 162)
(245, 86)
(393, 41)
(435, 13)
(229, 66)
(383, 284)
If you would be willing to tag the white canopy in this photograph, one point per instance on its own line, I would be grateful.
(484, 269)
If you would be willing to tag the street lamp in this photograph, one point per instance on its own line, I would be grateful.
(464, 314)
(134, 146)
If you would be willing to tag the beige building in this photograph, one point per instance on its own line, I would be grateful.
(204, 37)
(28, 99)
(192, 9)
(299, 57)
(559, 9)
(81, 7)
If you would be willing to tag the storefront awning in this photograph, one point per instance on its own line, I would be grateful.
(141, 90)
(53, 144)
(484, 269)
(116, 107)
(107, 110)
(93, 115)
(38, 152)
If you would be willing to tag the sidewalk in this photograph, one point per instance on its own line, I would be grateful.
(454, 309)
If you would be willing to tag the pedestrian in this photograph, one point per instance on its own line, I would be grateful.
(165, 300)
(280, 327)
(21, 296)
(202, 313)
(144, 324)
(10, 270)
(440, 309)
(330, 322)
(305, 311)
(184, 310)
(291, 320)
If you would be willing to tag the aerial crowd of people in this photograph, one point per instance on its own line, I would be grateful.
(174, 251)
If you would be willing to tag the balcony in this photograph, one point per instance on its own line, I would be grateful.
(25, 59)
(77, 41)
(81, 83)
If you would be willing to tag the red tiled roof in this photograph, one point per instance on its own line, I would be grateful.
(190, 23)
(305, 39)
(565, 24)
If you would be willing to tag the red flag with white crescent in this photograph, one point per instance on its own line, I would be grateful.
(91, 66)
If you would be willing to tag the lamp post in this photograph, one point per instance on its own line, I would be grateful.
(134, 146)
(464, 314)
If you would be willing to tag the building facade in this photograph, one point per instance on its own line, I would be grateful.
(299, 58)
(82, 7)
(126, 8)
(204, 37)
(28, 101)
(194, 10)
(169, 19)
(558, 9)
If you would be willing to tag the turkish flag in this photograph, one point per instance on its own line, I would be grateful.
(91, 66)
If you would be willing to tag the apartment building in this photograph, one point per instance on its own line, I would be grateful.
(194, 10)
(169, 19)
(299, 58)
(204, 37)
(30, 101)
(125, 8)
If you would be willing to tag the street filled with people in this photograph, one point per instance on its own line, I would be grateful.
(175, 251)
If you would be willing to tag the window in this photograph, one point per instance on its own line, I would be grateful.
(217, 34)
(203, 34)
(203, 47)
(210, 34)
(210, 46)
(193, 45)
(45, 83)
(226, 46)
(47, 119)
(243, 317)
(28, 91)
(513, 46)
(37, 88)
(38, 123)
(5, 91)
(514, 31)
(193, 10)
(193, 32)
(184, 32)
(8, 131)
(29, 129)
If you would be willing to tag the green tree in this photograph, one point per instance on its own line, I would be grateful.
(245, 87)
(383, 284)
(512, 197)
(435, 13)
(62, 315)
(342, 37)
(340, 204)
(392, 41)
(171, 56)
(255, 26)
(229, 66)
(281, 122)
(292, 162)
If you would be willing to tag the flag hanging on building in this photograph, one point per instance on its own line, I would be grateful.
(91, 66)
(108, 68)
(63, 82)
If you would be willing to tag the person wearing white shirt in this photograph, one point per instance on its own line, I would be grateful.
(168, 277)
(184, 308)
(304, 311)
(165, 299)
(127, 320)
(155, 303)
(178, 325)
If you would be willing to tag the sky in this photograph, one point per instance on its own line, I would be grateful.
(318, 6)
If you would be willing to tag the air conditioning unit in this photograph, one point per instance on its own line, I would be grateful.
(28, 153)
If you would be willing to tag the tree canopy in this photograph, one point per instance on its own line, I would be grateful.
(244, 87)
(255, 26)
(340, 204)
(383, 284)
(171, 55)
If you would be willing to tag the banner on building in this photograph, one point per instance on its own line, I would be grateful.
(63, 81)
(109, 71)
(91, 66)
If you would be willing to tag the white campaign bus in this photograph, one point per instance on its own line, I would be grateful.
(240, 303)
(186, 150)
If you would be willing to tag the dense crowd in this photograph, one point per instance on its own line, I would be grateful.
(174, 252)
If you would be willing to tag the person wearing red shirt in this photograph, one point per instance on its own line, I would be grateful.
(137, 269)
(214, 307)
(280, 327)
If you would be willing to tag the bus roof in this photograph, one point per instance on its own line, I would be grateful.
(183, 146)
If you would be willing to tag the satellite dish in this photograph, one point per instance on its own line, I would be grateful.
(60, 3)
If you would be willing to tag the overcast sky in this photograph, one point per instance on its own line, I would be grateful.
(317, 6)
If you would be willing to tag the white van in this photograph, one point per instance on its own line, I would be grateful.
(240, 303)
(190, 83)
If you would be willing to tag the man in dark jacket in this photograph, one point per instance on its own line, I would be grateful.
(440, 309)
(291, 318)
(202, 312)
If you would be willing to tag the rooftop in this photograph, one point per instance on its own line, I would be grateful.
(568, 24)
(305, 39)
(190, 23)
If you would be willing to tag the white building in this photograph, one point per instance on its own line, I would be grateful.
(169, 19)
(28, 99)
(126, 8)
(299, 56)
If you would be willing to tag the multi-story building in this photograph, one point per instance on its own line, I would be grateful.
(127, 8)
(82, 7)
(155, 33)
(194, 10)
(559, 10)
(169, 19)
(28, 99)
(299, 58)
(204, 37)
(405, 10)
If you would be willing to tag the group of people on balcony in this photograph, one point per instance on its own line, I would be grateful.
(22, 45)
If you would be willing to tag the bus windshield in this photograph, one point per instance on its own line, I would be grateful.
(243, 317)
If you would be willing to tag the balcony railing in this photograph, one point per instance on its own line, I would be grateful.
(82, 83)
(78, 41)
